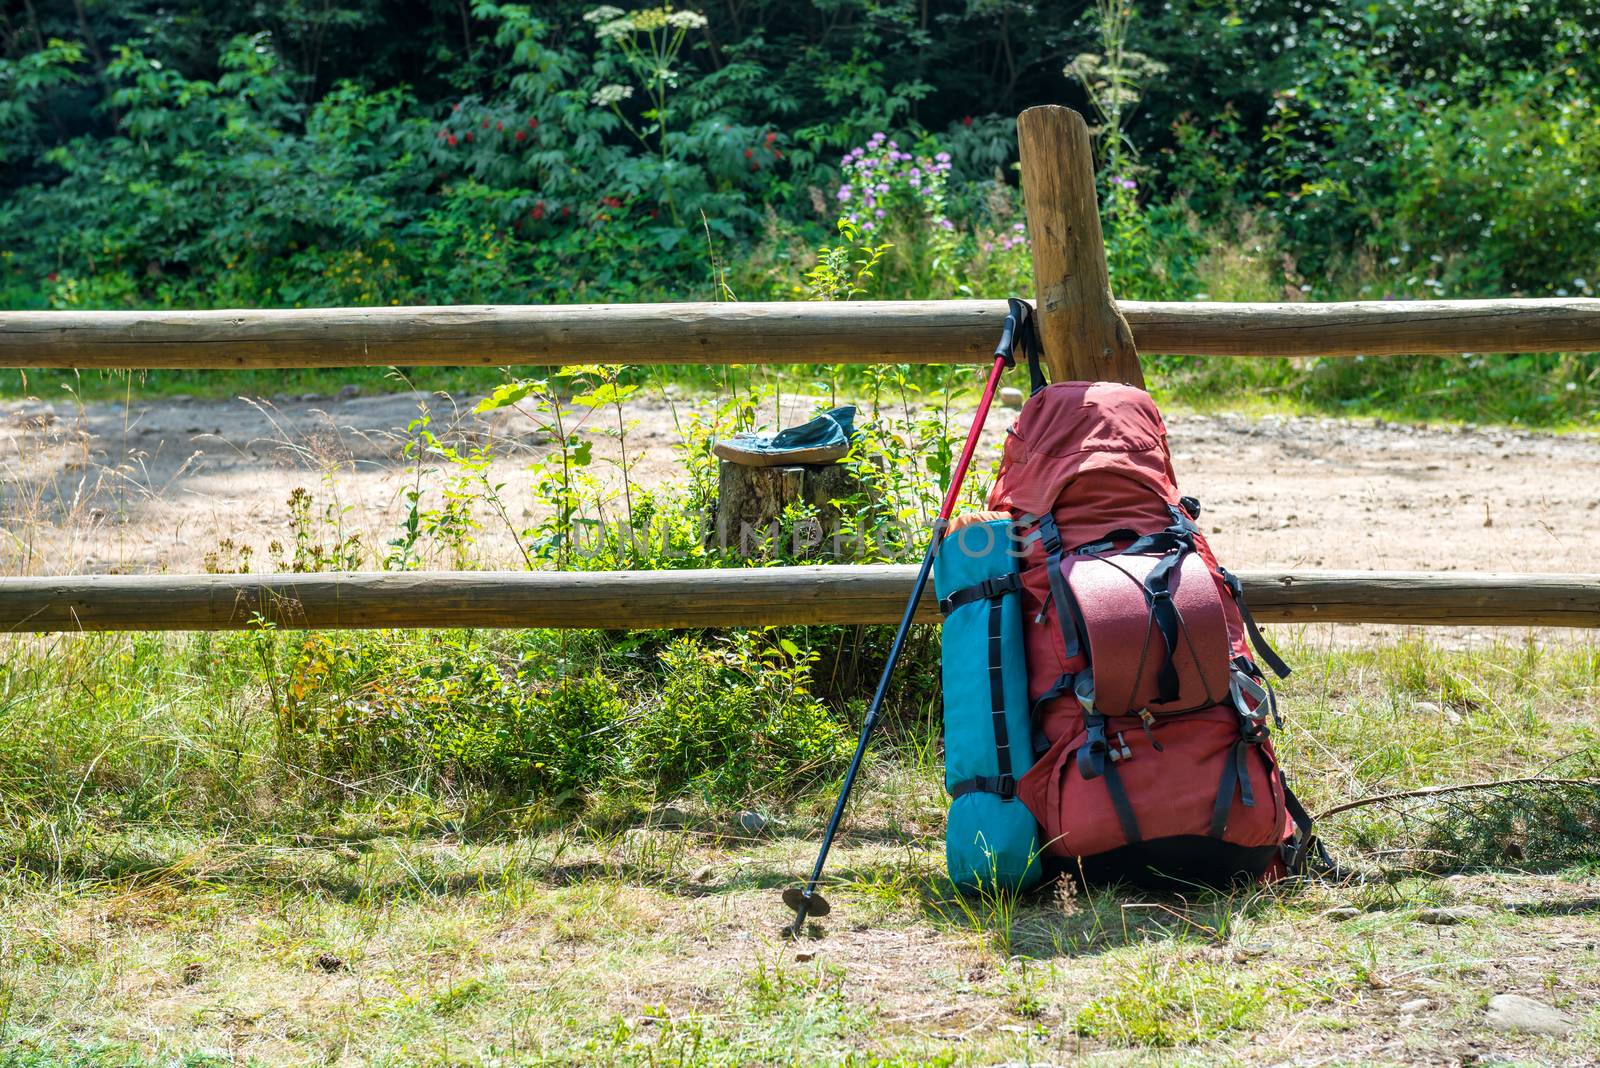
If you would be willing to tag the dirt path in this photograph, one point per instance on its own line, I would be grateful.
(160, 485)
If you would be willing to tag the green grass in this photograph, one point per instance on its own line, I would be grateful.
(1160, 1000)
(173, 888)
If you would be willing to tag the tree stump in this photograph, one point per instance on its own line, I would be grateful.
(751, 502)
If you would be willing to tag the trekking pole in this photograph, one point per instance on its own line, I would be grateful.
(808, 902)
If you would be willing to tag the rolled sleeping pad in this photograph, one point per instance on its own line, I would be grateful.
(991, 838)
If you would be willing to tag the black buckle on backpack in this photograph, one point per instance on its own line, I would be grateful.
(1003, 786)
(987, 590)
(1092, 753)
(1049, 535)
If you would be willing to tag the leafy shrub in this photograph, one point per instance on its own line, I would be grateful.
(735, 716)
(724, 718)
(1505, 196)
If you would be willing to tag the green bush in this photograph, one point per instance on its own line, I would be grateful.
(737, 715)
(720, 717)
(1505, 196)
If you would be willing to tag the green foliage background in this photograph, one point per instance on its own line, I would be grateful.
(205, 154)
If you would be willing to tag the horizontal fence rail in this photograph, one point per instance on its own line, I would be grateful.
(901, 331)
(730, 597)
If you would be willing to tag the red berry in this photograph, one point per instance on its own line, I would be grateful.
(967, 121)
(499, 127)
(749, 152)
(655, 213)
(777, 153)
(452, 139)
(469, 135)
(754, 166)
(771, 137)
(456, 108)
(51, 277)
(533, 124)
(485, 124)
(521, 135)
(565, 212)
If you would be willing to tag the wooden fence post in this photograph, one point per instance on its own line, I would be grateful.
(1085, 337)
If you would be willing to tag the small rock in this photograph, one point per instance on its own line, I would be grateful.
(752, 822)
(1427, 708)
(1342, 913)
(672, 817)
(327, 962)
(1513, 1012)
(1445, 916)
(349, 392)
(804, 955)
(1011, 397)
(703, 874)
(1415, 1005)
(637, 838)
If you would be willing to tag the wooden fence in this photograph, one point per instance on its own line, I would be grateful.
(888, 331)
(722, 597)
(1086, 336)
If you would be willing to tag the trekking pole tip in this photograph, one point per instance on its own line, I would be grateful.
(805, 907)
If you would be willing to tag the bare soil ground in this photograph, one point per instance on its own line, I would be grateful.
(156, 486)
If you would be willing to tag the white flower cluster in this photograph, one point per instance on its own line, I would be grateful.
(611, 95)
(614, 22)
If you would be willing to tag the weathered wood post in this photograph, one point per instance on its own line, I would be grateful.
(1085, 337)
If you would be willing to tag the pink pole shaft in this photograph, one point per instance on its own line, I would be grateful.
(959, 474)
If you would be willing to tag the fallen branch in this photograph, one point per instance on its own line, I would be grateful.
(1430, 791)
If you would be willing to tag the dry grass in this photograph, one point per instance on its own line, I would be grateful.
(404, 930)
(436, 951)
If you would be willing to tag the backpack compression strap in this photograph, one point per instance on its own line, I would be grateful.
(1049, 537)
(994, 591)
(986, 590)
(1265, 651)
(1297, 853)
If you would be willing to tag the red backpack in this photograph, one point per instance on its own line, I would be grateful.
(1150, 714)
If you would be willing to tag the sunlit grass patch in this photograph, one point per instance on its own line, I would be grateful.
(1156, 1000)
